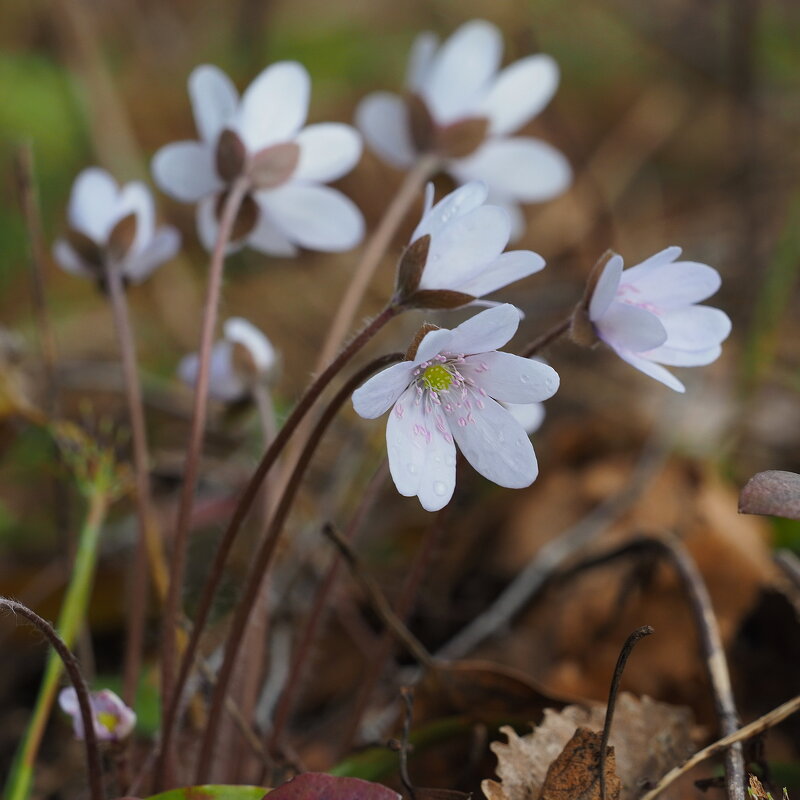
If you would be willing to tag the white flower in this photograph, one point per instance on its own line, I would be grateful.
(262, 136)
(447, 394)
(648, 314)
(113, 227)
(241, 359)
(529, 415)
(113, 720)
(463, 253)
(463, 109)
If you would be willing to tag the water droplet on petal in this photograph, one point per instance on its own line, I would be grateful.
(524, 378)
(412, 468)
(439, 488)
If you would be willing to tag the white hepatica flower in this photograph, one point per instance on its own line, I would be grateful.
(113, 227)
(456, 252)
(112, 719)
(448, 394)
(243, 358)
(648, 314)
(463, 109)
(262, 136)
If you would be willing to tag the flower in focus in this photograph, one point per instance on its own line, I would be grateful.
(261, 138)
(461, 108)
(113, 227)
(649, 314)
(447, 393)
(113, 720)
(243, 358)
(456, 252)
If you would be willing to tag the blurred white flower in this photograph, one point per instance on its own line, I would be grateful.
(456, 252)
(529, 415)
(239, 361)
(447, 393)
(648, 314)
(261, 136)
(113, 227)
(113, 720)
(463, 108)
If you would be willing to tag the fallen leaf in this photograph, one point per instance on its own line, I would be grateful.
(774, 493)
(319, 786)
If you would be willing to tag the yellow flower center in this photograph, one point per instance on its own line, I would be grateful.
(437, 378)
(108, 720)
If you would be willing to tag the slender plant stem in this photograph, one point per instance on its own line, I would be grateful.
(67, 659)
(72, 616)
(246, 501)
(548, 337)
(172, 610)
(263, 560)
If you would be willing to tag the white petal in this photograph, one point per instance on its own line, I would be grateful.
(327, 151)
(240, 331)
(675, 286)
(462, 69)
(510, 378)
(268, 238)
(70, 261)
(316, 217)
(214, 100)
(456, 204)
(92, 203)
(696, 327)
(162, 247)
(515, 213)
(652, 370)
(433, 343)
(419, 62)
(223, 382)
(135, 198)
(486, 331)
(519, 93)
(382, 391)
(528, 170)
(186, 171)
(383, 119)
(631, 328)
(68, 700)
(494, 443)
(605, 290)
(659, 259)
(505, 269)
(529, 415)
(275, 105)
(684, 358)
(207, 224)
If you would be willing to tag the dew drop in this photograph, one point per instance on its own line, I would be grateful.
(524, 378)
(412, 468)
(439, 489)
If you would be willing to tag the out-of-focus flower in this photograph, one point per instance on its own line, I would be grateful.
(113, 720)
(447, 393)
(261, 137)
(529, 415)
(649, 314)
(456, 252)
(239, 361)
(113, 227)
(462, 108)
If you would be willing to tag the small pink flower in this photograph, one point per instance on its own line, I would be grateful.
(113, 720)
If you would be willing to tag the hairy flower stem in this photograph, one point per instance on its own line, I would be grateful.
(72, 616)
(246, 501)
(264, 557)
(172, 610)
(548, 337)
(68, 660)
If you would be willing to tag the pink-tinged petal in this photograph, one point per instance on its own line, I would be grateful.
(381, 391)
(654, 371)
(519, 93)
(186, 171)
(605, 289)
(462, 70)
(327, 151)
(659, 259)
(383, 120)
(423, 51)
(135, 198)
(275, 105)
(505, 269)
(631, 328)
(433, 343)
(524, 169)
(92, 203)
(677, 285)
(268, 238)
(456, 204)
(243, 332)
(696, 327)
(214, 101)
(315, 217)
(529, 415)
(685, 358)
(510, 378)
(487, 331)
(70, 261)
(494, 443)
(162, 247)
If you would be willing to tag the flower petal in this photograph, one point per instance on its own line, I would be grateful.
(494, 443)
(519, 93)
(685, 358)
(529, 415)
(70, 261)
(243, 332)
(696, 327)
(207, 224)
(422, 54)
(135, 198)
(486, 331)
(214, 100)
(316, 217)
(433, 343)
(652, 370)
(383, 119)
(275, 105)
(375, 397)
(524, 169)
(459, 202)
(605, 289)
(515, 213)
(223, 382)
(510, 378)
(92, 203)
(186, 171)
(678, 285)
(505, 269)
(162, 247)
(659, 259)
(462, 69)
(327, 151)
(268, 238)
(630, 328)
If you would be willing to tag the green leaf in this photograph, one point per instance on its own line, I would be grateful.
(212, 792)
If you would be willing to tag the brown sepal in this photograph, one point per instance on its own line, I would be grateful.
(462, 138)
(231, 156)
(121, 238)
(273, 166)
(582, 329)
(426, 328)
(412, 263)
(246, 219)
(87, 250)
(423, 128)
(438, 299)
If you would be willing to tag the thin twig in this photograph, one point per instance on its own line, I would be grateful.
(548, 337)
(407, 694)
